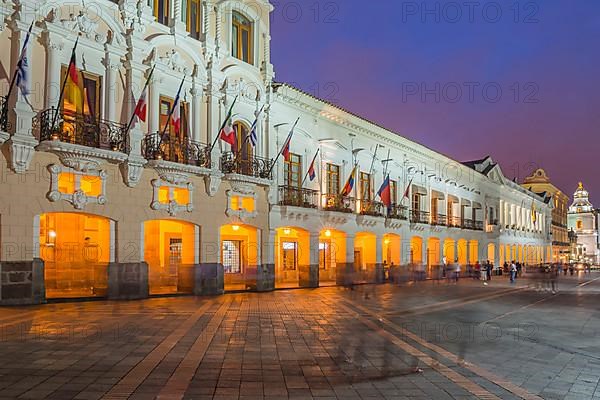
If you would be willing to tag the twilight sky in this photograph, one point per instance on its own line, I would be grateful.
(435, 77)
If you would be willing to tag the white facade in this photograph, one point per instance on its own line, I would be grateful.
(464, 211)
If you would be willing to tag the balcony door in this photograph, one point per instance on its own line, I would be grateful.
(293, 171)
(171, 143)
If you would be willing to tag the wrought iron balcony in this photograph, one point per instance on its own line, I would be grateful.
(419, 217)
(254, 166)
(84, 130)
(298, 197)
(3, 114)
(454, 222)
(397, 212)
(372, 208)
(173, 149)
(478, 225)
(439, 219)
(336, 202)
(468, 224)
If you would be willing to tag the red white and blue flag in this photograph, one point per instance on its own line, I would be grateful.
(385, 193)
(176, 116)
(285, 150)
(23, 72)
(407, 191)
(312, 174)
(349, 183)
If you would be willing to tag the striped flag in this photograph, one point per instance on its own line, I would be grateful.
(23, 81)
(407, 191)
(285, 150)
(252, 136)
(385, 193)
(349, 183)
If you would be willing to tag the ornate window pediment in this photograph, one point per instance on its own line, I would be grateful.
(76, 187)
(241, 202)
(172, 197)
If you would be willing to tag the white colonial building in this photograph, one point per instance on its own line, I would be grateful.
(582, 219)
(91, 207)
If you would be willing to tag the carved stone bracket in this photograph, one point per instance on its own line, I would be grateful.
(393, 223)
(175, 173)
(333, 218)
(132, 170)
(212, 183)
(367, 220)
(21, 150)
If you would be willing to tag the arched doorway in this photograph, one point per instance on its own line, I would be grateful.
(239, 256)
(76, 249)
(491, 253)
(292, 257)
(450, 251)
(463, 255)
(365, 257)
(332, 252)
(171, 251)
(416, 250)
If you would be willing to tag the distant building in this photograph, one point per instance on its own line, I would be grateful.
(583, 221)
(540, 183)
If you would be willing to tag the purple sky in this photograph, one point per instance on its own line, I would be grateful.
(374, 58)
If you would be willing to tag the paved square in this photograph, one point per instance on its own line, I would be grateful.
(428, 340)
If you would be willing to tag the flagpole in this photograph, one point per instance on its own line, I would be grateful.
(312, 162)
(14, 77)
(214, 143)
(143, 90)
(62, 90)
(371, 169)
(239, 150)
(279, 154)
(172, 108)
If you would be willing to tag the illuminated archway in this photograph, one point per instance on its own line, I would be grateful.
(491, 253)
(449, 251)
(416, 250)
(76, 249)
(292, 257)
(332, 252)
(239, 256)
(365, 256)
(433, 252)
(171, 251)
(462, 255)
(392, 249)
(474, 252)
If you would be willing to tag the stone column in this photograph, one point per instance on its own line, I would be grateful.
(313, 272)
(265, 280)
(196, 93)
(153, 104)
(345, 271)
(379, 274)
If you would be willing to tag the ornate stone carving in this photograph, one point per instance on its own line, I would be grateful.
(79, 199)
(83, 24)
(172, 206)
(21, 150)
(132, 170)
(173, 60)
(241, 212)
(212, 183)
(81, 158)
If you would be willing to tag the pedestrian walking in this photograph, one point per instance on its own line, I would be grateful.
(456, 271)
(554, 274)
(490, 269)
(513, 272)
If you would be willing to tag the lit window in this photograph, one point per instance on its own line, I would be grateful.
(242, 203)
(365, 186)
(191, 15)
(293, 171)
(333, 179)
(290, 255)
(232, 262)
(161, 11)
(241, 38)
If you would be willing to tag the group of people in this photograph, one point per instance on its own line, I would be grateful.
(483, 272)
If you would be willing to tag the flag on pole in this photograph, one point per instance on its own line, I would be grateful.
(312, 174)
(349, 183)
(253, 135)
(385, 193)
(176, 116)
(23, 72)
(141, 107)
(73, 93)
(407, 191)
(227, 133)
(285, 150)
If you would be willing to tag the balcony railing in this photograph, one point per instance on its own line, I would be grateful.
(257, 167)
(336, 202)
(398, 212)
(468, 224)
(84, 130)
(454, 222)
(478, 225)
(439, 219)
(181, 151)
(419, 217)
(297, 197)
(3, 114)
(372, 208)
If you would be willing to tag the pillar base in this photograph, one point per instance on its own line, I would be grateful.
(128, 281)
(265, 278)
(209, 279)
(308, 276)
(22, 282)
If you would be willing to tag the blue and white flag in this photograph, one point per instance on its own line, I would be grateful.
(23, 71)
(252, 135)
